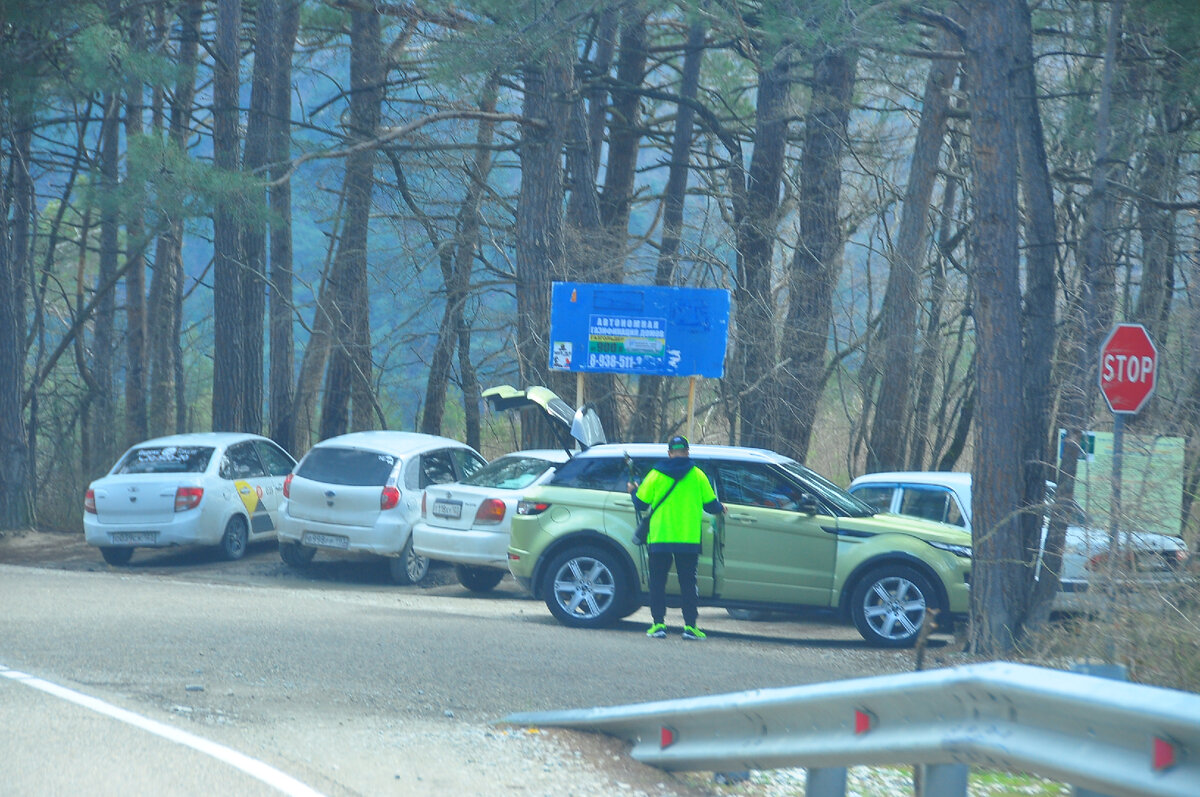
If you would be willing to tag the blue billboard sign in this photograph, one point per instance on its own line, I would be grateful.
(638, 329)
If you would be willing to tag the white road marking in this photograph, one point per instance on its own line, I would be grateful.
(251, 766)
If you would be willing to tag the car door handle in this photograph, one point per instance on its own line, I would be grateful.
(744, 518)
(623, 504)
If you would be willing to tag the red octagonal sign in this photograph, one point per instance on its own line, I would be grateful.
(1128, 368)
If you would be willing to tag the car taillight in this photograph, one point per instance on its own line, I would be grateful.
(287, 486)
(491, 511)
(89, 501)
(531, 507)
(188, 498)
(389, 498)
(422, 504)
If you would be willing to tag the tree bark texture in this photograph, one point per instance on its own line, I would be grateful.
(348, 400)
(891, 424)
(997, 573)
(817, 261)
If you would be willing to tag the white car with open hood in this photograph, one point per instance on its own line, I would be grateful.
(211, 488)
(467, 523)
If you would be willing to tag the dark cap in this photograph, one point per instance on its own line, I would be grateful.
(677, 443)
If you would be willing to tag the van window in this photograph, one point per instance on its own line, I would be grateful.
(931, 503)
(877, 495)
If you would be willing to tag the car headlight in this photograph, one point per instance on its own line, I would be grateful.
(958, 550)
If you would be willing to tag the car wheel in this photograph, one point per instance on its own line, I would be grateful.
(233, 541)
(116, 556)
(478, 579)
(753, 615)
(890, 604)
(586, 588)
(296, 555)
(409, 567)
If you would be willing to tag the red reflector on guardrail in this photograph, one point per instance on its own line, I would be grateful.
(1164, 754)
(666, 737)
(862, 721)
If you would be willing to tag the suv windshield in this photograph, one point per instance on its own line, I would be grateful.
(347, 466)
(166, 459)
(509, 473)
(827, 491)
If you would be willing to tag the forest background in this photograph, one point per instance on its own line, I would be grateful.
(301, 218)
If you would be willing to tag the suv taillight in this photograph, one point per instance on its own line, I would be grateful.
(188, 498)
(422, 504)
(389, 498)
(531, 507)
(490, 511)
(89, 501)
(287, 486)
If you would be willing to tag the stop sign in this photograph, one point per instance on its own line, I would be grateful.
(1128, 368)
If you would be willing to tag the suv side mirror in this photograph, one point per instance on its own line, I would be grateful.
(808, 504)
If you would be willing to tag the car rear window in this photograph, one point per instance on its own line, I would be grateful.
(166, 459)
(354, 466)
(509, 473)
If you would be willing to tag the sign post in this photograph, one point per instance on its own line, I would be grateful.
(1128, 375)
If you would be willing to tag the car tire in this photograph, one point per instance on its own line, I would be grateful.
(478, 579)
(409, 567)
(586, 587)
(116, 557)
(234, 540)
(890, 604)
(296, 555)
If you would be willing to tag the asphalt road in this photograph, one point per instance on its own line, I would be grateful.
(336, 680)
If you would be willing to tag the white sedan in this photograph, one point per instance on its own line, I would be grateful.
(211, 488)
(467, 523)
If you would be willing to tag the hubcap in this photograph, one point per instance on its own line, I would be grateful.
(894, 608)
(584, 587)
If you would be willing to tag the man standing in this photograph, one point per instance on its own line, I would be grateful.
(678, 492)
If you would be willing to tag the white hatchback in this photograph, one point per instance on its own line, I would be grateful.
(361, 493)
(210, 488)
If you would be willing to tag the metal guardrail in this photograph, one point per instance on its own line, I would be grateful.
(1099, 735)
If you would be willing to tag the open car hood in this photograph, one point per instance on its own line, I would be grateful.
(580, 426)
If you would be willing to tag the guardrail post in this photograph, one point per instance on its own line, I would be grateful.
(825, 782)
(944, 780)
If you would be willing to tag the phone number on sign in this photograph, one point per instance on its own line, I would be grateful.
(612, 361)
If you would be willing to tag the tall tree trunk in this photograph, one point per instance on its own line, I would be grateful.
(348, 402)
(162, 318)
(539, 222)
(902, 300)
(16, 485)
(229, 351)
(136, 428)
(254, 226)
(1039, 326)
(816, 263)
(646, 424)
(756, 352)
(281, 369)
(458, 262)
(996, 605)
(102, 407)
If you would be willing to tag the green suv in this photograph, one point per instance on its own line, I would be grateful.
(791, 541)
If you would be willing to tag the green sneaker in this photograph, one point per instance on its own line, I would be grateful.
(657, 631)
(692, 632)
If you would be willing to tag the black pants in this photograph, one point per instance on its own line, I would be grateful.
(685, 569)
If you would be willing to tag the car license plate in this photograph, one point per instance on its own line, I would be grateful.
(325, 540)
(135, 537)
(451, 510)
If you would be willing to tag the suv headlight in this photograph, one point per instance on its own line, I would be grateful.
(958, 550)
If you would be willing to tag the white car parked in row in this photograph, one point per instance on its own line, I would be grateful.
(361, 493)
(468, 523)
(211, 488)
(946, 497)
